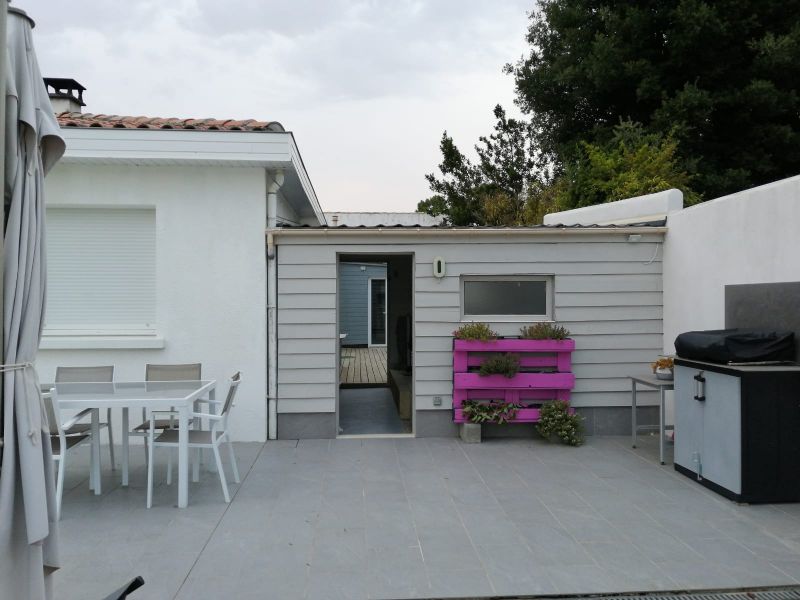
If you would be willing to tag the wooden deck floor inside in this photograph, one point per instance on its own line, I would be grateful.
(366, 366)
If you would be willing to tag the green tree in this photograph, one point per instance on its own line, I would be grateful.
(494, 190)
(631, 164)
(718, 80)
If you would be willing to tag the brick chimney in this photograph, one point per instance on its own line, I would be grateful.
(66, 95)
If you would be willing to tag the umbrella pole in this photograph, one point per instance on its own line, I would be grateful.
(3, 53)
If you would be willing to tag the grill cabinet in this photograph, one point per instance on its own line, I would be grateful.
(737, 429)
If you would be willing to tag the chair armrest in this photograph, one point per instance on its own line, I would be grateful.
(69, 423)
(207, 416)
(210, 401)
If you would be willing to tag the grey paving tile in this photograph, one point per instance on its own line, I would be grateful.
(459, 583)
(341, 585)
(512, 570)
(401, 518)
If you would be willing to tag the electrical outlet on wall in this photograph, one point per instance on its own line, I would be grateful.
(437, 400)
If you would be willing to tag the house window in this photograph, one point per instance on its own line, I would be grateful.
(100, 271)
(505, 298)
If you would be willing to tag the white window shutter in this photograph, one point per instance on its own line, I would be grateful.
(100, 269)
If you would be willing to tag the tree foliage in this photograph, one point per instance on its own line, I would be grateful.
(629, 98)
(493, 190)
(719, 79)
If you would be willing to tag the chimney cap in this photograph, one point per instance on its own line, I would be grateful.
(65, 88)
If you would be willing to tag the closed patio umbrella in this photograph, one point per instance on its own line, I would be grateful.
(28, 531)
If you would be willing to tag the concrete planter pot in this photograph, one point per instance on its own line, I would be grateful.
(470, 433)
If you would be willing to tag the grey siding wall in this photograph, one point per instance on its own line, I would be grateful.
(353, 302)
(607, 291)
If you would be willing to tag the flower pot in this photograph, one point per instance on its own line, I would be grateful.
(665, 374)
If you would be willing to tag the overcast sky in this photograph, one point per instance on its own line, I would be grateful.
(367, 87)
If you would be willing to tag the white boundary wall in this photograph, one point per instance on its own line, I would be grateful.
(748, 237)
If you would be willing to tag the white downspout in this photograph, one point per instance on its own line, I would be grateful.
(272, 305)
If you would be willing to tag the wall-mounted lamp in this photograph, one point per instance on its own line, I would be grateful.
(438, 267)
(634, 237)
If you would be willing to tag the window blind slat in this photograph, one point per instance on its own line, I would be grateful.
(100, 268)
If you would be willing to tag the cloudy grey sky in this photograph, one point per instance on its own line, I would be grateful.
(366, 86)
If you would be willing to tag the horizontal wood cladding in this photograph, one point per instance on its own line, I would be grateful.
(607, 292)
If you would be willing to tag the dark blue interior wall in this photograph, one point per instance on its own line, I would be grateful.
(353, 301)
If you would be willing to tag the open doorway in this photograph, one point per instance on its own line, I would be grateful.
(375, 306)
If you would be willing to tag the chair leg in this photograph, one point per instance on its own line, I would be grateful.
(59, 486)
(221, 473)
(169, 466)
(149, 474)
(111, 441)
(146, 451)
(234, 466)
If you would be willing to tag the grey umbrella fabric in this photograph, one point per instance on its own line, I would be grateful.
(28, 530)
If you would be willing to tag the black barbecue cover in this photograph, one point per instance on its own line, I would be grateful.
(736, 345)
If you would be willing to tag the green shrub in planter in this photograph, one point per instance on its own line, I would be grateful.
(500, 364)
(555, 420)
(544, 331)
(475, 331)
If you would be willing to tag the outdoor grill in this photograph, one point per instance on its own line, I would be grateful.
(737, 413)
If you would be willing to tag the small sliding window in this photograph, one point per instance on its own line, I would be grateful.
(507, 297)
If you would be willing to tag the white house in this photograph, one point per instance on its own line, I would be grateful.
(157, 248)
(203, 241)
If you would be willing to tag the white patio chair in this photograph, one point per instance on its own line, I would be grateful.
(103, 374)
(210, 438)
(177, 372)
(61, 442)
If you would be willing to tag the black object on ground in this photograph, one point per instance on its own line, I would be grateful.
(122, 593)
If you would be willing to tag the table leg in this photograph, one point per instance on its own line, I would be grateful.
(183, 456)
(633, 414)
(96, 450)
(661, 426)
(212, 408)
(125, 447)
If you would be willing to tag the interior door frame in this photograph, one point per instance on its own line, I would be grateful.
(385, 311)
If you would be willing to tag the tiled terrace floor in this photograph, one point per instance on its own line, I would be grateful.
(402, 518)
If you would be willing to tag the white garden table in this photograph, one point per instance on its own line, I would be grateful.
(152, 395)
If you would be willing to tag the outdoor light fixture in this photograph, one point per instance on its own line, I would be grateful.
(438, 267)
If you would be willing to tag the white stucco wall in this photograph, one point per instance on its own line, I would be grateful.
(210, 274)
(748, 237)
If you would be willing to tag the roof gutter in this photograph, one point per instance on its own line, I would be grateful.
(438, 232)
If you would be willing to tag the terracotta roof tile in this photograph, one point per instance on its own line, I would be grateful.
(74, 119)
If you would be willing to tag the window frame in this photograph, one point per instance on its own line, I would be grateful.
(549, 280)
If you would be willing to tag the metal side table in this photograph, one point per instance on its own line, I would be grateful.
(662, 385)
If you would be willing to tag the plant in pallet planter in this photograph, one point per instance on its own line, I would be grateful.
(544, 331)
(557, 420)
(506, 365)
(493, 411)
(544, 371)
(475, 331)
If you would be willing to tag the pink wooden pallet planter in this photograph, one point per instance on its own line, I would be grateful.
(554, 383)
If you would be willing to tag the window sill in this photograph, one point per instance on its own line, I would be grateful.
(100, 342)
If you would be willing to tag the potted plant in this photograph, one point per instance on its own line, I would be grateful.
(475, 331)
(505, 364)
(664, 367)
(544, 330)
(556, 420)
